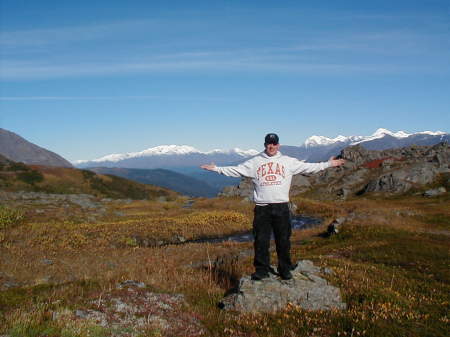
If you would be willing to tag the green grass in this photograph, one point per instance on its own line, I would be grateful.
(10, 217)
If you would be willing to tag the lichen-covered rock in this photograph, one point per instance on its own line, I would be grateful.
(132, 310)
(306, 289)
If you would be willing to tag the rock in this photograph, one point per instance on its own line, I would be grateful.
(43, 280)
(402, 180)
(334, 226)
(244, 189)
(343, 193)
(300, 184)
(83, 200)
(131, 283)
(306, 289)
(179, 239)
(188, 203)
(131, 310)
(435, 192)
(146, 242)
(292, 208)
(81, 313)
(10, 284)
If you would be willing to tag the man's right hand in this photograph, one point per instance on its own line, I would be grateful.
(210, 167)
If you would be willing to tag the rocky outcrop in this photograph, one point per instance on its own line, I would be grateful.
(85, 201)
(392, 171)
(307, 289)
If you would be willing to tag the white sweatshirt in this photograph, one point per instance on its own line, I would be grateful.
(271, 176)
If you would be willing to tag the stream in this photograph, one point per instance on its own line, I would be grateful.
(298, 222)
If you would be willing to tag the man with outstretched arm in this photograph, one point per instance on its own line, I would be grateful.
(271, 173)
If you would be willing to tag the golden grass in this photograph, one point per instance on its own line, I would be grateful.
(382, 259)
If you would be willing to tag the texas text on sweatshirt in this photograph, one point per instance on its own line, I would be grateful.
(271, 176)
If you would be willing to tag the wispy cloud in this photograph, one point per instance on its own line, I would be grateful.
(107, 98)
(58, 35)
(282, 60)
(314, 53)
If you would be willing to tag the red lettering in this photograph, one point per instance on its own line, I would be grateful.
(277, 171)
(270, 168)
(258, 172)
(282, 171)
(263, 170)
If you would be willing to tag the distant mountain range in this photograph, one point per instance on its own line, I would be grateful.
(177, 167)
(315, 148)
(18, 149)
(186, 159)
(319, 148)
(168, 156)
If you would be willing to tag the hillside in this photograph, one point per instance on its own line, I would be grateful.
(21, 177)
(18, 149)
(165, 178)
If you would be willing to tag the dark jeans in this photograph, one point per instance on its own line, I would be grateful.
(276, 218)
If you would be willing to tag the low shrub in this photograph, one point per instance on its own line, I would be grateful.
(9, 217)
(13, 166)
(31, 177)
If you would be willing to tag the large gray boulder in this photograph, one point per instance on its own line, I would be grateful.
(306, 289)
(402, 180)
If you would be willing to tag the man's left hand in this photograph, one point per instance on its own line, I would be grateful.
(336, 162)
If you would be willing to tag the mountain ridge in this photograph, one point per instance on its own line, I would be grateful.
(315, 148)
(18, 149)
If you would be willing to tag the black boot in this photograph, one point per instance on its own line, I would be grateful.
(259, 275)
(286, 275)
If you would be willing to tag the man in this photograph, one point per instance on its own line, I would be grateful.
(271, 173)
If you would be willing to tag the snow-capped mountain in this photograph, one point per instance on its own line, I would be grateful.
(380, 133)
(320, 148)
(314, 149)
(322, 140)
(187, 159)
(168, 156)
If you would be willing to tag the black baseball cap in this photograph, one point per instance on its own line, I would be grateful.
(271, 138)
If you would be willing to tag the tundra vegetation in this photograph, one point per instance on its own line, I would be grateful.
(390, 260)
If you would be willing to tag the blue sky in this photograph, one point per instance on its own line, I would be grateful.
(90, 78)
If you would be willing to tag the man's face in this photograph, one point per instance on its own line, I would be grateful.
(272, 149)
